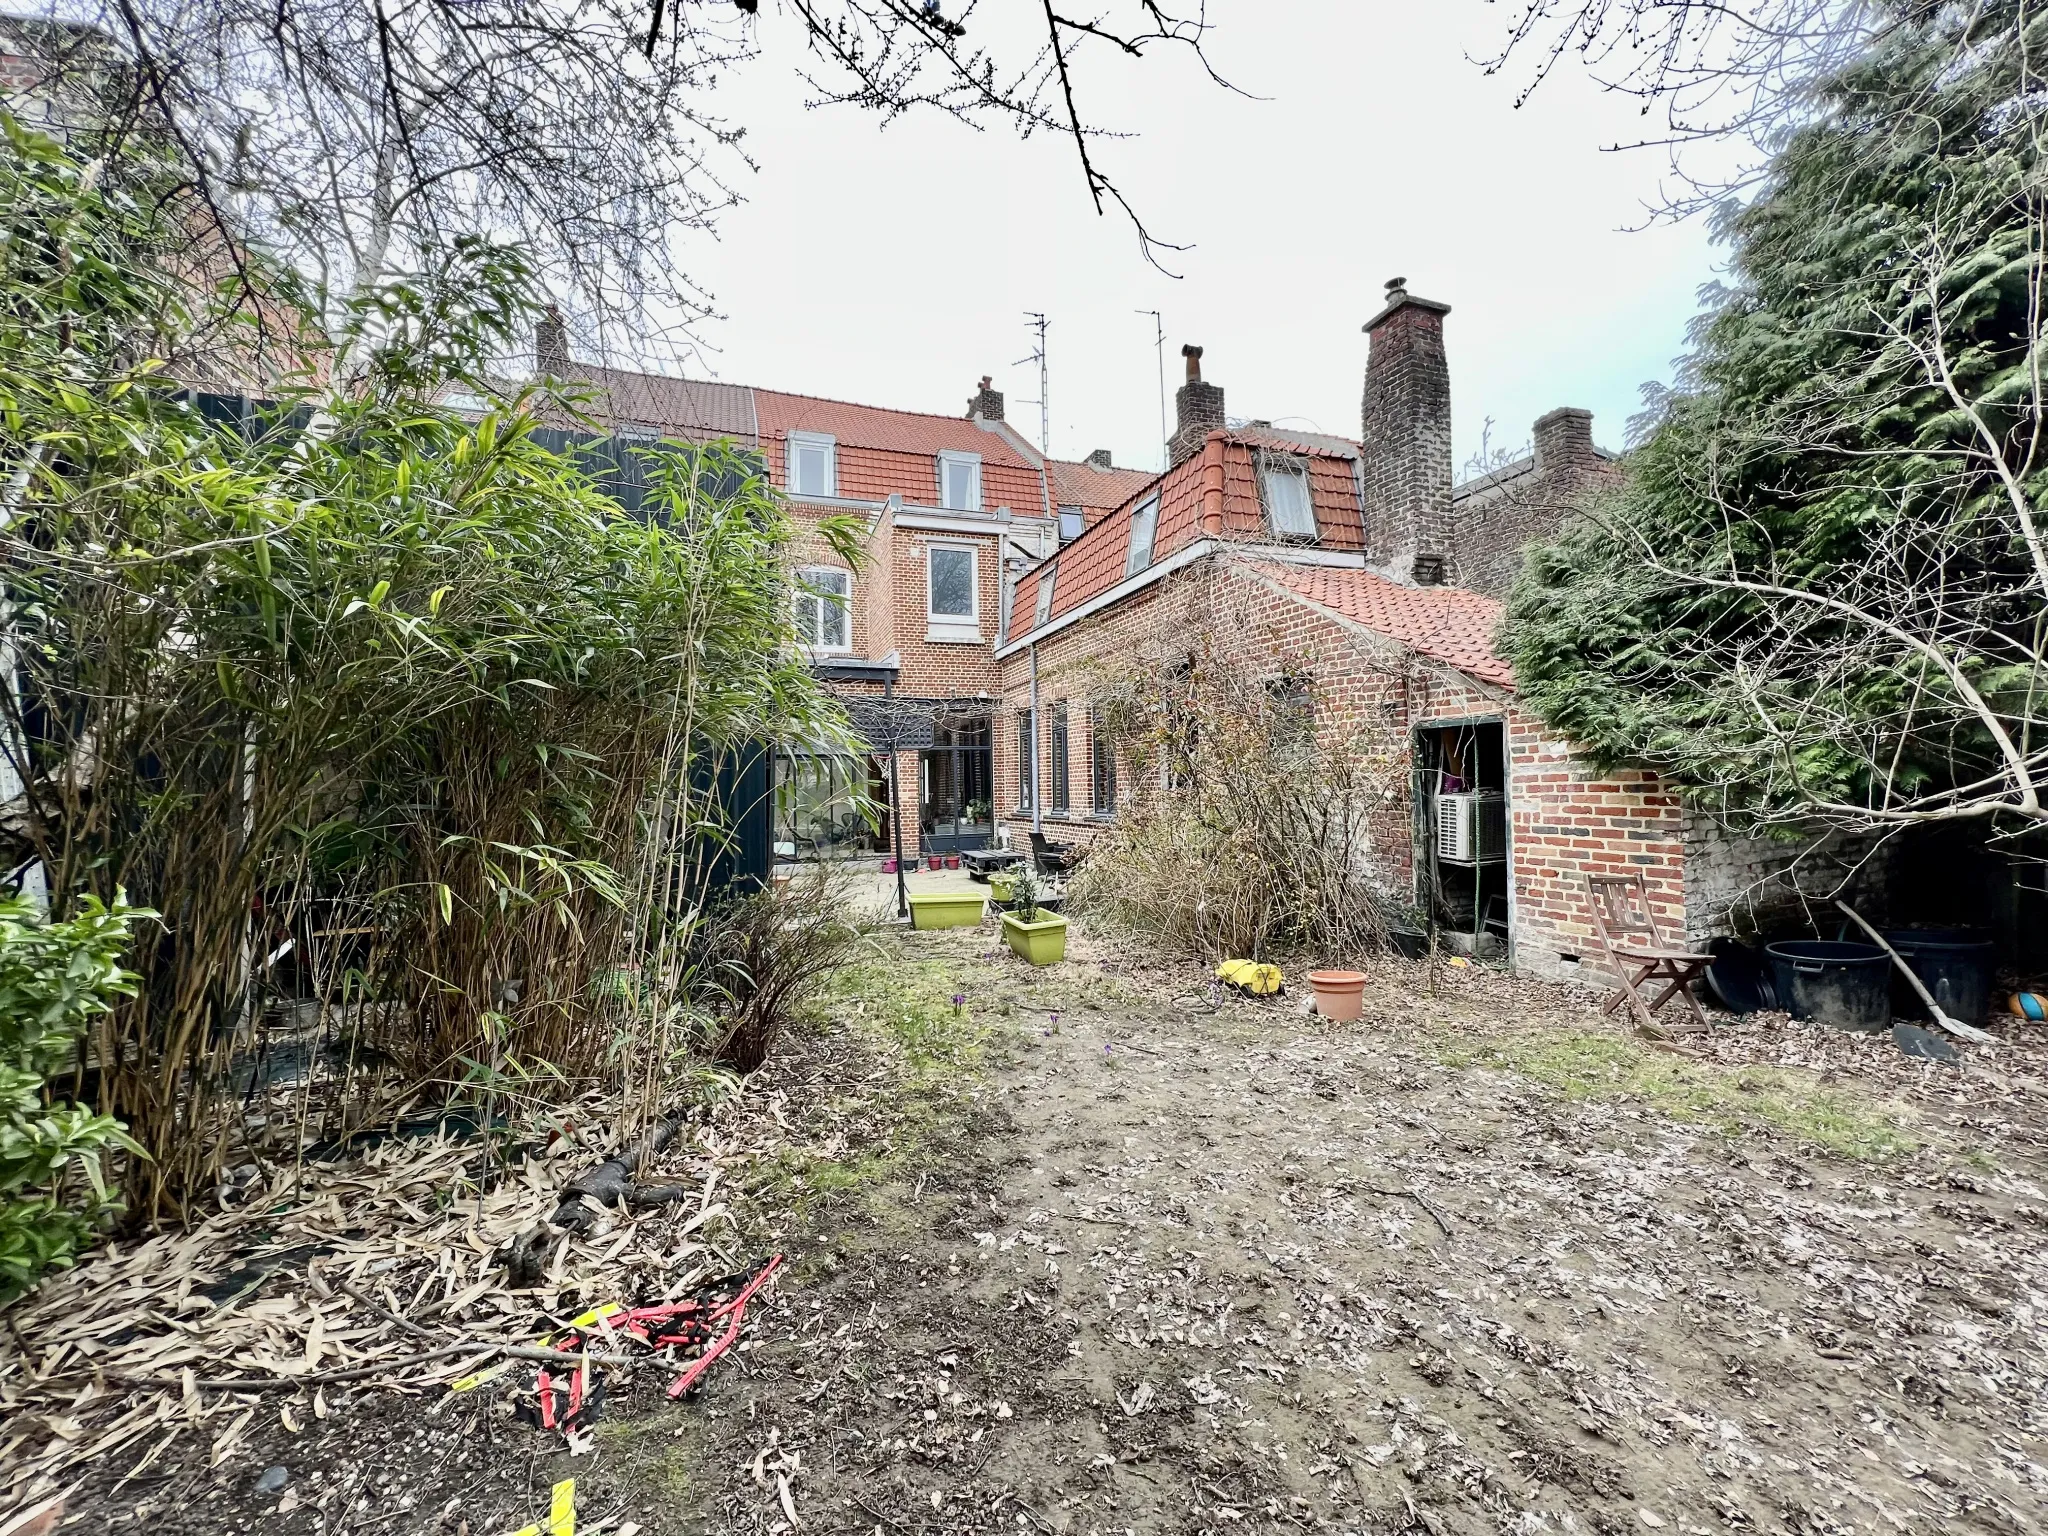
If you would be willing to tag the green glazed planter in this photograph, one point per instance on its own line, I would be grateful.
(1042, 943)
(999, 886)
(946, 909)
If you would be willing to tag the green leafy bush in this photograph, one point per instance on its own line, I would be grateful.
(56, 977)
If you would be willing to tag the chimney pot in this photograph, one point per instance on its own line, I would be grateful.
(1100, 459)
(1198, 411)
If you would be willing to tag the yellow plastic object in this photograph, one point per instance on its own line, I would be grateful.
(1252, 976)
(561, 1513)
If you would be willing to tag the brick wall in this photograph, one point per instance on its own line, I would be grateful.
(1494, 518)
(1565, 820)
(1405, 429)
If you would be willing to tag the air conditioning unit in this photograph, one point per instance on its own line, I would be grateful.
(1472, 828)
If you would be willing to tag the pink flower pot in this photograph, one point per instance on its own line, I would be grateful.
(934, 861)
(888, 866)
(952, 861)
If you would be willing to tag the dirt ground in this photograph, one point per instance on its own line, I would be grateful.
(1101, 1249)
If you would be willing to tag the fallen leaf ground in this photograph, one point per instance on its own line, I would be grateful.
(1102, 1250)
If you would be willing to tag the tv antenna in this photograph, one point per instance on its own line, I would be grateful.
(1159, 346)
(1038, 324)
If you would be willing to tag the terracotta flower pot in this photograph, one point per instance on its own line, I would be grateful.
(952, 861)
(935, 861)
(1340, 995)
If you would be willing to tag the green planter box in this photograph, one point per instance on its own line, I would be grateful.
(1042, 943)
(946, 909)
(999, 885)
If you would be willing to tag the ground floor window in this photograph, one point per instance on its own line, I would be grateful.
(1102, 765)
(1058, 745)
(1027, 761)
(824, 801)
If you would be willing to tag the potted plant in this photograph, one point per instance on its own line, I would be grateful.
(1036, 934)
(1000, 884)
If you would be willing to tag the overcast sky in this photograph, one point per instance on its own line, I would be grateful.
(894, 266)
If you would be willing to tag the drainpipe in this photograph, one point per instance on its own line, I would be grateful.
(1037, 799)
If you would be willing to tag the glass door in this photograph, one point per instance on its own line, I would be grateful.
(957, 789)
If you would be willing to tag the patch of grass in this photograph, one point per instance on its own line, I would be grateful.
(911, 1002)
(1582, 1064)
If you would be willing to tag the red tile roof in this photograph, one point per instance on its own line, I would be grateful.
(1447, 623)
(1093, 489)
(1093, 563)
(874, 426)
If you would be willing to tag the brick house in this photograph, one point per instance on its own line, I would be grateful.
(1346, 558)
(951, 508)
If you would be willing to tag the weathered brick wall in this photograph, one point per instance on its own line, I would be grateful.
(1565, 820)
(1751, 886)
(1405, 430)
(1497, 517)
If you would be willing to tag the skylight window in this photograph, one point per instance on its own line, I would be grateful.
(1144, 529)
(1043, 610)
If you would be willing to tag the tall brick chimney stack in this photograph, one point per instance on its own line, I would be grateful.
(1406, 430)
(551, 346)
(1197, 409)
(987, 403)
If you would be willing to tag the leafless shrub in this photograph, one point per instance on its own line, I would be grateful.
(1263, 826)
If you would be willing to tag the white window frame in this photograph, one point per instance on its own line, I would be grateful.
(1277, 464)
(824, 440)
(1132, 563)
(950, 457)
(954, 627)
(1041, 607)
(807, 594)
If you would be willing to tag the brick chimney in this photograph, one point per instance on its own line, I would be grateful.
(1406, 430)
(985, 402)
(551, 345)
(1198, 411)
(1564, 440)
(1099, 459)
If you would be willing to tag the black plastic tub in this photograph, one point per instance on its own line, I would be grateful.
(1846, 985)
(1955, 964)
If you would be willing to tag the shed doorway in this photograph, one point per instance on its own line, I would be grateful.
(1462, 874)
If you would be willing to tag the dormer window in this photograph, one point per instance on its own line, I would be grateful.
(960, 482)
(813, 464)
(1283, 482)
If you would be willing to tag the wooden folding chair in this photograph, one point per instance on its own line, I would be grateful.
(1638, 953)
